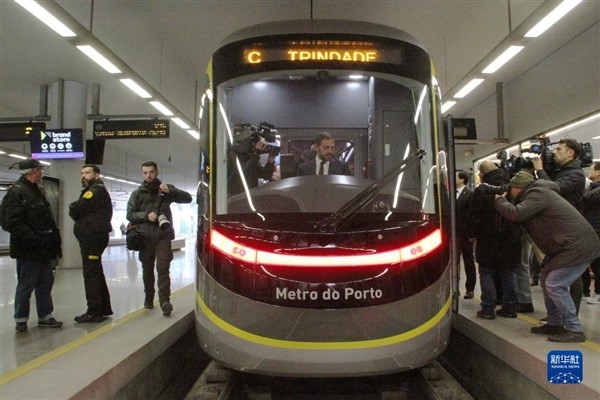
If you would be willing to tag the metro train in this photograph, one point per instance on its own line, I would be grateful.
(323, 275)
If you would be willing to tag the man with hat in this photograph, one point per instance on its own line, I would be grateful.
(567, 240)
(34, 242)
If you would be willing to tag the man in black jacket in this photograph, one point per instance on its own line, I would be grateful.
(498, 248)
(325, 162)
(92, 213)
(465, 245)
(149, 208)
(34, 242)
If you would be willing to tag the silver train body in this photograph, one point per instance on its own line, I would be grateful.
(323, 275)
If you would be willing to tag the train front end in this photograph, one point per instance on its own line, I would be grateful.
(330, 275)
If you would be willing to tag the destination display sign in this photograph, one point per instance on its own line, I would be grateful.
(57, 143)
(321, 51)
(19, 131)
(132, 129)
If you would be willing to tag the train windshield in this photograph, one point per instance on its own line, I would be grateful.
(311, 143)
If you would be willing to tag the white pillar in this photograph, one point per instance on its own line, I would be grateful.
(67, 103)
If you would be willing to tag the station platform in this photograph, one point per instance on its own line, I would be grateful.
(83, 361)
(92, 360)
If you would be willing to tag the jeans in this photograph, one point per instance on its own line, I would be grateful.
(559, 304)
(34, 275)
(522, 281)
(488, 288)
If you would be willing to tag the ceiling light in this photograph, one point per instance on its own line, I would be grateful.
(502, 59)
(447, 105)
(18, 156)
(40, 13)
(194, 134)
(560, 11)
(356, 76)
(181, 123)
(160, 107)
(99, 59)
(468, 88)
(137, 89)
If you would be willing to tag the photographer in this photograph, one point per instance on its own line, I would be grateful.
(569, 176)
(567, 240)
(498, 248)
(249, 144)
(149, 208)
(567, 173)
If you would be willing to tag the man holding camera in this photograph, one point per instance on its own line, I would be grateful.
(569, 176)
(567, 240)
(149, 209)
(249, 144)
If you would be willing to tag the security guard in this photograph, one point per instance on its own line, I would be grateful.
(92, 213)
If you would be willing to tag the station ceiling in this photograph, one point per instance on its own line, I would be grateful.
(169, 43)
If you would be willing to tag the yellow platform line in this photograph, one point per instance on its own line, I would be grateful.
(59, 351)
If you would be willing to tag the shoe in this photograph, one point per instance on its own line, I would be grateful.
(524, 308)
(148, 305)
(469, 295)
(50, 323)
(21, 326)
(567, 337)
(486, 314)
(166, 308)
(594, 299)
(544, 320)
(503, 312)
(547, 329)
(86, 318)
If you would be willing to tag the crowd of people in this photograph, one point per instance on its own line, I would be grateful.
(547, 218)
(36, 243)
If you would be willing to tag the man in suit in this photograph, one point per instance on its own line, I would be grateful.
(465, 246)
(324, 163)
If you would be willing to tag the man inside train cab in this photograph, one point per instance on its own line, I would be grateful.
(325, 162)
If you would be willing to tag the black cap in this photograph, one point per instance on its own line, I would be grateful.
(30, 163)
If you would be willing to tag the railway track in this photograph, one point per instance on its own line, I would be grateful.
(430, 382)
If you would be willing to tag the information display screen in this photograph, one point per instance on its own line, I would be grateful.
(19, 131)
(57, 143)
(132, 129)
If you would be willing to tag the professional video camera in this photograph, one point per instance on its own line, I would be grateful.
(246, 136)
(491, 189)
(511, 164)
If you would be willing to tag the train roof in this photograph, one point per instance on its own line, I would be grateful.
(320, 26)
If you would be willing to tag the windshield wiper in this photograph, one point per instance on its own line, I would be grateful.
(351, 207)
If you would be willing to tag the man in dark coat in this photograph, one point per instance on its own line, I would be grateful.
(92, 213)
(569, 176)
(325, 162)
(498, 248)
(568, 242)
(149, 207)
(590, 208)
(34, 242)
(465, 246)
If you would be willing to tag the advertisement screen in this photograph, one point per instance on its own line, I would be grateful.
(57, 143)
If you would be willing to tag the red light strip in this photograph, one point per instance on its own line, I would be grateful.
(250, 255)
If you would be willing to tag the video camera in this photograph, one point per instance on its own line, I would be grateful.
(511, 164)
(246, 136)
